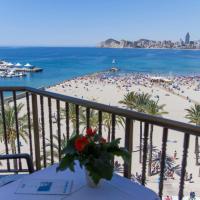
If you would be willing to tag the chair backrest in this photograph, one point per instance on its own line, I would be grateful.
(17, 163)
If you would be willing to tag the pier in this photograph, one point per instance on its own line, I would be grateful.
(9, 70)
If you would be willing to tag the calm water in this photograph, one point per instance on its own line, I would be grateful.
(63, 63)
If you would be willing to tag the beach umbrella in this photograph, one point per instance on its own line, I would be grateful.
(18, 65)
(27, 65)
(9, 64)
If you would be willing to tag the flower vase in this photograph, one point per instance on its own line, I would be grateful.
(90, 181)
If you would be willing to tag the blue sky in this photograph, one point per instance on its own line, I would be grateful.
(87, 22)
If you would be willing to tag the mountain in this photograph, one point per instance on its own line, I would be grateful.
(111, 43)
(145, 43)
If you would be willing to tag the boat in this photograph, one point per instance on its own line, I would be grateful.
(12, 73)
(20, 74)
(2, 74)
(9, 70)
(114, 69)
(8, 76)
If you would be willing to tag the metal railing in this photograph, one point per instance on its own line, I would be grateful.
(43, 127)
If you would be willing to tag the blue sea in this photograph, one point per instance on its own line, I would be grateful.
(64, 63)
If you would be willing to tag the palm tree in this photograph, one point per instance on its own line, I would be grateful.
(129, 100)
(193, 114)
(141, 101)
(63, 143)
(10, 122)
(72, 115)
(107, 122)
(137, 101)
(153, 108)
(93, 118)
(170, 163)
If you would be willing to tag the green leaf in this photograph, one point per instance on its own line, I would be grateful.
(67, 162)
(123, 153)
(104, 168)
(101, 167)
(115, 142)
(69, 148)
(93, 174)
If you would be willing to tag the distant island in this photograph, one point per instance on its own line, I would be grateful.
(146, 43)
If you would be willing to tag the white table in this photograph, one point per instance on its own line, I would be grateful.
(119, 188)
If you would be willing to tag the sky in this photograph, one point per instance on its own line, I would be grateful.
(87, 22)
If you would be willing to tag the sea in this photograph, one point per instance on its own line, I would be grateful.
(62, 63)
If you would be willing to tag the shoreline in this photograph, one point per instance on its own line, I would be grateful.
(110, 90)
(173, 88)
(118, 75)
(121, 74)
(147, 48)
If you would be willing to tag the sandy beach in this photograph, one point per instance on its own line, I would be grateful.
(179, 94)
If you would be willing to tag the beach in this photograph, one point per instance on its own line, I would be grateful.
(177, 93)
(173, 82)
(111, 89)
(181, 93)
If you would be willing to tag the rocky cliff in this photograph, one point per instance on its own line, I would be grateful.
(111, 43)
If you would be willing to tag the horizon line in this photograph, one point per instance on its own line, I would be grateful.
(24, 46)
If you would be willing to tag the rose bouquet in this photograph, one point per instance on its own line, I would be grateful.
(94, 153)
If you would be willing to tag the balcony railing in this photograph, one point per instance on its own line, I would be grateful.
(49, 122)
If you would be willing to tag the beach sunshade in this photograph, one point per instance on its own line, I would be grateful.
(18, 65)
(27, 65)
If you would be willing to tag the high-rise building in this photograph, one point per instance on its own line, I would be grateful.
(181, 42)
(187, 38)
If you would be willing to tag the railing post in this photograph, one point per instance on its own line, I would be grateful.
(88, 117)
(77, 119)
(163, 160)
(183, 165)
(128, 146)
(100, 122)
(36, 131)
(145, 150)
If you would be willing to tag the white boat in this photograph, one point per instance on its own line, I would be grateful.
(113, 61)
(8, 76)
(21, 74)
(2, 74)
(114, 69)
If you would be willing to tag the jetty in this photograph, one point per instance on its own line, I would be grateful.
(8, 69)
(114, 69)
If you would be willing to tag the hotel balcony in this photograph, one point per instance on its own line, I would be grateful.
(42, 121)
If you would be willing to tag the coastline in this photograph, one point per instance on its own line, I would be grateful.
(148, 48)
(109, 90)
(74, 62)
(179, 88)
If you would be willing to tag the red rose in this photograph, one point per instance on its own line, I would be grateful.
(80, 143)
(90, 132)
(102, 140)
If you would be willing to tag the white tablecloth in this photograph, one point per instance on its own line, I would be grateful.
(118, 188)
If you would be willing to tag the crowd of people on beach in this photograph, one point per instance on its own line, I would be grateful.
(178, 85)
(183, 86)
